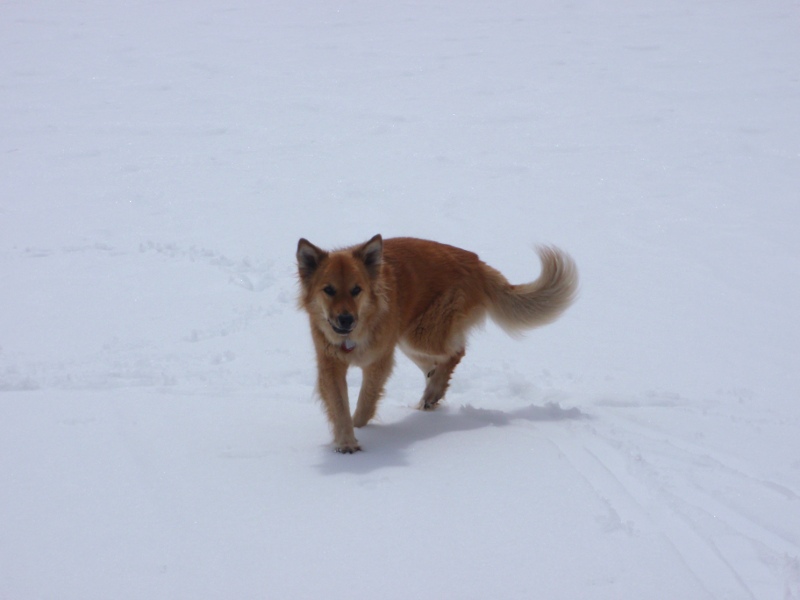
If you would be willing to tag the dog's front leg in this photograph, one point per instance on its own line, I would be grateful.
(333, 389)
(375, 376)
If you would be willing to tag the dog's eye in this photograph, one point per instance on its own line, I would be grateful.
(355, 291)
(328, 289)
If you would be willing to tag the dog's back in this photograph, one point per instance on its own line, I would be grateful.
(460, 288)
(425, 274)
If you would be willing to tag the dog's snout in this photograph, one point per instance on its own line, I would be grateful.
(345, 320)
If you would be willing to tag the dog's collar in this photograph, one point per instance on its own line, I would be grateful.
(348, 345)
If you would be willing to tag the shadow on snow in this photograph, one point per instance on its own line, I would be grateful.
(386, 445)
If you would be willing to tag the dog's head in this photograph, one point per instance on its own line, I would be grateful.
(339, 289)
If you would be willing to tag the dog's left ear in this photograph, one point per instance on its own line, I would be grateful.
(308, 258)
(371, 254)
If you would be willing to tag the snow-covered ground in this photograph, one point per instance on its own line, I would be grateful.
(159, 435)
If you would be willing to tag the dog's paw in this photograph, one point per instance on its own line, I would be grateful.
(349, 448)
(430, 400)
(428, 404)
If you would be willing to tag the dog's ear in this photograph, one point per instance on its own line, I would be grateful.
(309, 258)
(371, 254)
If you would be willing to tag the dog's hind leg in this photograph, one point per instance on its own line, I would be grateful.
(375, 376)
(438, 380)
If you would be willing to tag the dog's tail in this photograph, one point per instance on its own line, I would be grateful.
(516, 307)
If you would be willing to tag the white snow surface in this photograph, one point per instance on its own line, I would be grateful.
(159, 432)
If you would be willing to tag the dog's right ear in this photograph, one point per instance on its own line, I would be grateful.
(308, 258)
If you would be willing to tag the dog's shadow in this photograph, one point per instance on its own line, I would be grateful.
(386, 445)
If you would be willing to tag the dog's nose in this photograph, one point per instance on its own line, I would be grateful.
(345, 321)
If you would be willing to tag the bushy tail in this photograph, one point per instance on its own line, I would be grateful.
(516, 307)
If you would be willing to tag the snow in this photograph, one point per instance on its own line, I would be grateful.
(159, 434)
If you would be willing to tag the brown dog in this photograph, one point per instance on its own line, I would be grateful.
(424, 296)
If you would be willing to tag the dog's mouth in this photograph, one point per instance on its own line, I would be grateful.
(341, 330)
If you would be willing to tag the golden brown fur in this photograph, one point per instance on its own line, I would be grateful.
(422, 296)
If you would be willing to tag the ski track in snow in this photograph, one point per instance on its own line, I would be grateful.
(656, 482)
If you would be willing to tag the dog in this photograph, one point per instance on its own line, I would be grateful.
(423, 296)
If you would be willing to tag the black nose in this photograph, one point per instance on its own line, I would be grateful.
(345, 321)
